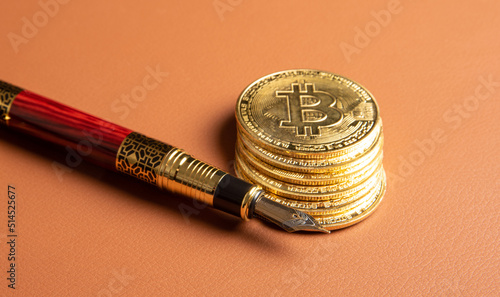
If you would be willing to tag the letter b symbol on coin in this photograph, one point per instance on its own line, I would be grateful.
(309, 110)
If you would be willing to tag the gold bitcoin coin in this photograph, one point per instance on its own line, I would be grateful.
(353, 153)
(312, 165)
(347, 216)
(355, 215)
(329, 208)
(306, 193)
(310, 114)
(354, 175)
(313, 140)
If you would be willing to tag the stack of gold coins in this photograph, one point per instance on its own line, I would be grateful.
(313, 140)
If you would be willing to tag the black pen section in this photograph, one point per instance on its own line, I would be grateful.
(229, 194)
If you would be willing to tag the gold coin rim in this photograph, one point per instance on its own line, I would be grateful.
(363, 215)
(317, 208)
(304, 178)
(242, 170)
(296, 165)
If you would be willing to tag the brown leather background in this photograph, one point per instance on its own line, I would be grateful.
(90, 232)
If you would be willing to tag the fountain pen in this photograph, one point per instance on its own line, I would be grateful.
(122, 150)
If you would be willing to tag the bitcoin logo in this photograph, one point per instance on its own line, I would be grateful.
(309, 110)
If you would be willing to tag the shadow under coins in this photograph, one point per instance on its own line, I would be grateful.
(206, 218)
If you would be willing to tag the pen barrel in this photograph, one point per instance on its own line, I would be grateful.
(82, 135)
(120, 149)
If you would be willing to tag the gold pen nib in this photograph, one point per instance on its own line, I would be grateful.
(286, 217)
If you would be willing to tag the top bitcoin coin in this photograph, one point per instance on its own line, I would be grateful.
(308, 114)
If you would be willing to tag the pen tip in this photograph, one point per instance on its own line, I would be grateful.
(290, 219)
(303, 222)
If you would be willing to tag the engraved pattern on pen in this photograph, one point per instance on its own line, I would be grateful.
(141, 157)
(8, 93)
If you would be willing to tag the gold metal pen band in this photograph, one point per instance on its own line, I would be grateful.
(181, 173)
(168, 167)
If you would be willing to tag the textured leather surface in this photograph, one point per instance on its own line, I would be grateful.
(433, 67)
